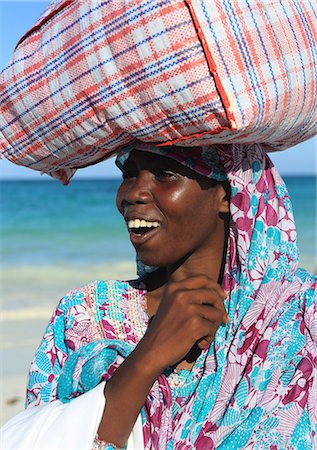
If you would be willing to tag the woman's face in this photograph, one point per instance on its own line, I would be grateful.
(171, 212)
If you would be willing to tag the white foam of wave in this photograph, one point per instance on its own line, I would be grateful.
(36, 312)
(31, 292)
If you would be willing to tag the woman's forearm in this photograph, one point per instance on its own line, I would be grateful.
(125, 396)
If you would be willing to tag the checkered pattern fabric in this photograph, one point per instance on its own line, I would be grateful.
(93, 76)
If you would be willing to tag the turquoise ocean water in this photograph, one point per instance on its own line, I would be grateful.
(52, 235)
(77, 224)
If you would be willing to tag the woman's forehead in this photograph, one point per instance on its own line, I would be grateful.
(147, 158)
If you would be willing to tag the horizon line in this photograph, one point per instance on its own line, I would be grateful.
(115, 177)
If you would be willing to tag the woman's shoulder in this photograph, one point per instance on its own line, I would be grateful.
(111, 309)
(99, 292)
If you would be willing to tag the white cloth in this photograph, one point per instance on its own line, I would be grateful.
(67, 426)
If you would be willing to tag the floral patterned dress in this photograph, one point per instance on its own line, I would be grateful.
(255, 387)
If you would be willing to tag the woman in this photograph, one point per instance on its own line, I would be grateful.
(216, 345)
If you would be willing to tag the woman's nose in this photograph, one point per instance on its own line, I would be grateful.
(138, 189)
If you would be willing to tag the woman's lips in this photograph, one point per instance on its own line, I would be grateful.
(138, 239)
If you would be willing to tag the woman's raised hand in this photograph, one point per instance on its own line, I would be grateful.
(190, 312)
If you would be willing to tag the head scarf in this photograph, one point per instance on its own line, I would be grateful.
(202, 160)
(255, 386)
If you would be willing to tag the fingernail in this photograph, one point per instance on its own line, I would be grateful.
(227, 320)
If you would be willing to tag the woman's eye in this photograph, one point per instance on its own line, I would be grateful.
(127, 175)
(164, 174)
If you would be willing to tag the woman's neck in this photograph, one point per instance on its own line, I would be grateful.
(194, 265)
(208, 265)
(204, 261)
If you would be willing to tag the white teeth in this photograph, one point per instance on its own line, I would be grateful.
(137, 223)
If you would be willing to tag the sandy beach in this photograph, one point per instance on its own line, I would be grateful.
(21, 328)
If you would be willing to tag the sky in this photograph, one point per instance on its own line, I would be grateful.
(16, 17)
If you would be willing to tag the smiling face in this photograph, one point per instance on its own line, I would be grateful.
(171, 212)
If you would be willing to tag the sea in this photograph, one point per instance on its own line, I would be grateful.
(54, 234)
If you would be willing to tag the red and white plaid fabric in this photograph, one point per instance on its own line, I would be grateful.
(92, 76)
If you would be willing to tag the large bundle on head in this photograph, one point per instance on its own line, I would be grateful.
(91, 77)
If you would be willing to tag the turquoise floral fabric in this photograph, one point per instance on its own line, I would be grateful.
(255, 387)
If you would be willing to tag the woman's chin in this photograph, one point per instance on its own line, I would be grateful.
(149, 260)
(159, 262)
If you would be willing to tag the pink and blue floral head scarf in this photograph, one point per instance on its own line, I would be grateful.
(255, 387)
(202, 160)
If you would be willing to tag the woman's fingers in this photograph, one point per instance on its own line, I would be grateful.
(212, 300)
(200, 282)
(205, 341)
(208, 332)
(190, 312)
(213, 314)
